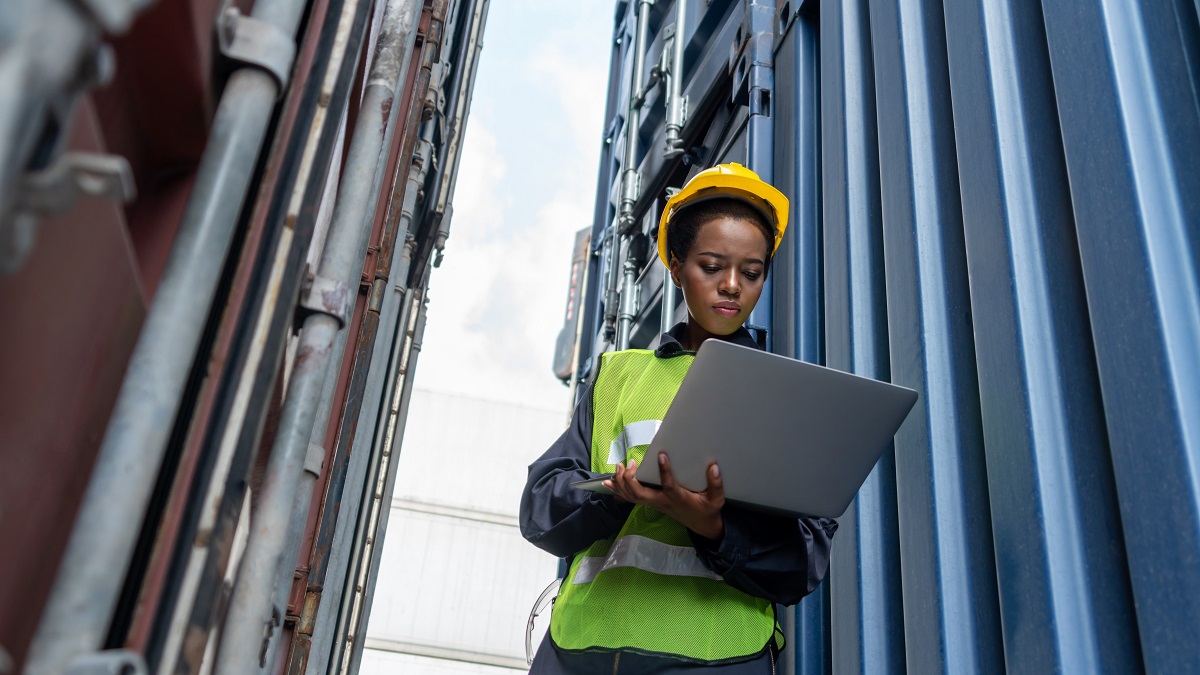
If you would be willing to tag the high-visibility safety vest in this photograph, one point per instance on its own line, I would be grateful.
(645, 589)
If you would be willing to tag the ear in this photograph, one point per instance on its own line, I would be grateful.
(675, 267)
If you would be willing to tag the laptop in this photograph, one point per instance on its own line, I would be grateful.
(790, 437)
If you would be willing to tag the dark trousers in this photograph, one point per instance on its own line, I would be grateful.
(550, 661)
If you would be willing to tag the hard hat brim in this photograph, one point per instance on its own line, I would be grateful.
(761, 196)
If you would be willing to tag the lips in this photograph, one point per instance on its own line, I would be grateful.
(728, 309)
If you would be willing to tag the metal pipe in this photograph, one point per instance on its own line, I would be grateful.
(668, 303)
(760, 129)
(676, 104)
(328, 575)
(89, 579)
(319, 121)
(576, 351)
(333, 602)
(627, 307)
(630, 292)
(461, 110)
(458, 61)
(343, 471)
(311, 649)
(366, 547)
(630, 178)
(636, 252)
(314, 461)
(397, 419)
(612, 297)
(254, 613)
(368, 542)
(308, 478)
(325, 586)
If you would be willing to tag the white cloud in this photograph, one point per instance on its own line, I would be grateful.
(574, 79)
(496, 303)
(526, 185)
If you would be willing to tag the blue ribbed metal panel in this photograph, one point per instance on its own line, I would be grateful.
(1126, 96)
(996, 203)
(797, 316)
(760, 129)
(864, 578)
(951, 622)
(1050, 479)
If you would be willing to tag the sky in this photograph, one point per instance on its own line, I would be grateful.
(526, 184)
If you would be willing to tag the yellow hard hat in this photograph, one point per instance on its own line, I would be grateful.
(727, 180)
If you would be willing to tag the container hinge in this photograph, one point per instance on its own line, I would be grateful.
(53, 191)
(113, 662)
(246, 40)
(323, 295)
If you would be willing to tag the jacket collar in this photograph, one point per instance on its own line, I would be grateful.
(669, 345)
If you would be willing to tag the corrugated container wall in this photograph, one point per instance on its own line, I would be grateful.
(997, 204)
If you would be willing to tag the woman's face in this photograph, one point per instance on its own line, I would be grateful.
(721, 276)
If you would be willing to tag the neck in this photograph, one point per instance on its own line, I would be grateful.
(694, 335)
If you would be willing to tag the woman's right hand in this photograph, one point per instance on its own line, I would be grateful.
(700, 511)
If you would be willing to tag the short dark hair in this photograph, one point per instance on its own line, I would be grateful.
(685, 224)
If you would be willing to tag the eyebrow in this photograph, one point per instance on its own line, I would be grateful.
(719, 256)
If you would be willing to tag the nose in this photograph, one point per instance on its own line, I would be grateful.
(731, 282)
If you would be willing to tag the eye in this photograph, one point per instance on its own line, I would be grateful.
(711, 269)
(752, 274)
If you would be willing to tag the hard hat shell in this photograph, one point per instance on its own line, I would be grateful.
(731, 181)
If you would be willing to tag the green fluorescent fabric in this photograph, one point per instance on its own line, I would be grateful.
(645, 589)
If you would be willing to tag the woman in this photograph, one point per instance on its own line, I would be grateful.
(671, 580)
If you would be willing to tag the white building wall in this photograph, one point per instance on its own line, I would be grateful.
(457, 581)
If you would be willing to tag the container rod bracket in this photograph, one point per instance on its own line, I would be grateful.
(314, 461)
(327, 296)
(253, 42)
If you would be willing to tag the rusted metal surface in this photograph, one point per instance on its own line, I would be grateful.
(404, 141)
(429, 43)
(341, 259)
(359, 362)
(175, 520)
(336, 29)
(71, 316)
(352, 378)
(101, 272)
(326, 296)
(155, 113)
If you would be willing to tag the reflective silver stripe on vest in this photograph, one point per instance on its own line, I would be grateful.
(645, 554)
(633, 435)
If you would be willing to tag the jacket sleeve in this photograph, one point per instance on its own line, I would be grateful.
(556, 517)
(778, 558)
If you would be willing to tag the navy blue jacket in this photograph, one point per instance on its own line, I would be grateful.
(778, 558)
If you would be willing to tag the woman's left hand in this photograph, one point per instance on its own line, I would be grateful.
(700, 512)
